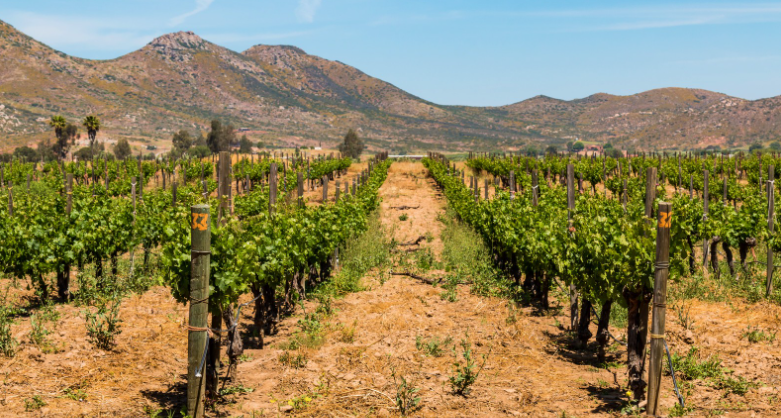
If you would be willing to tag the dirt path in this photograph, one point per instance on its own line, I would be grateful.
(526, 372)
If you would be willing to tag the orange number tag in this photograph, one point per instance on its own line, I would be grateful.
(200, 221)
(664, 220)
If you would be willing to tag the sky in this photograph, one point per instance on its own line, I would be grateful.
(478, 53)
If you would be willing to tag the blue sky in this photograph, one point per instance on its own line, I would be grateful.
(457, 52)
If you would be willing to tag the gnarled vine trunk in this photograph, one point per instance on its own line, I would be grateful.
(235, 345)
(714, 256)
(728, 255)
(603, 333)
(270, 309)
(257, 321)
(213, 358)
(637, 335)
(584, 334)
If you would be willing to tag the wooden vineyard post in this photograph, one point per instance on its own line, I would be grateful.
(200, 259)
(485, 186)
(534, 187)
(705, 199)
(624, 196)
(512, 185)
(300, 181)
(771, 203)
(336, 192)
(573, 291)
(173, 193)
(325, 189)
(650, 191)
(63, 285)
(133, 199)
(691, 186)
(355, 182)
(224, 184)
(272, 188)
(661, 272)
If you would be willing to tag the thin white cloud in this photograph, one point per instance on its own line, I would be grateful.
(200, 5)
(613, 19)
(61, 32)
(305, 12)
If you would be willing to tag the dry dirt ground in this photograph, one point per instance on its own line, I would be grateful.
(530, 369)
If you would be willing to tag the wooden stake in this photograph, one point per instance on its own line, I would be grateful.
(661, 272)
(771, 206)
(199, 308)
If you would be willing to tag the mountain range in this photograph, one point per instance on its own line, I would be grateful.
(283, 96)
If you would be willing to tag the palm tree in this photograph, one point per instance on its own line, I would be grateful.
(92, 124)
(58, 123)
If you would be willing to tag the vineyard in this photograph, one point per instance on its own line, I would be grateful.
(504, 285)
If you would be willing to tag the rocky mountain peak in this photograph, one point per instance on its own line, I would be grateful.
(178, 41)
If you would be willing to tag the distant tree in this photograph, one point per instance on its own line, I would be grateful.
(182, 141)
(775, 146)
(26, 153)
(245, 145)
(200, 151)
(122, 149)
(200, 140)
(578, 147)
(352, 146)
(260, 145)
(569, 146)
(755, 147)
(92, 124)
(614, 153)
(67, 136)
(551, 149)
(220, 137)
(45, 152)
(607, 146)
(59, 124)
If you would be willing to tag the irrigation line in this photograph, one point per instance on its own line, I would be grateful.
(672, 373)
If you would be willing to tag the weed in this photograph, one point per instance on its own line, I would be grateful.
(33, 404)
(682, 311)
(512, 314)
(465, 374)
(677, 410)
(433, 347)
(347, 333)
(38, 331)
(424, 260)
(104, 326)
(245, 358)
(406, 401)
(8, 343)
(429, 237)
(403, 217)
(465, 253)
(738, 385)
(756, 335)
(450, 286)
(296, 361)
(75, 394)
(325, 307)
(690, 367)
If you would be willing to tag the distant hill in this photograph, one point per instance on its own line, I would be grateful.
(283, 95)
